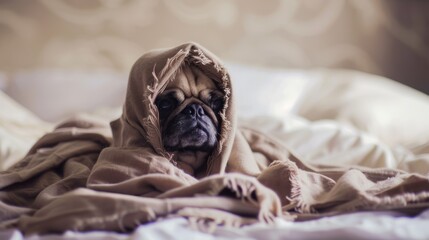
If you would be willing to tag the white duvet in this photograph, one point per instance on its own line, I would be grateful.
(328, 117)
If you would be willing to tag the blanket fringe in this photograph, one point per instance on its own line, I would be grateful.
(152, 121)
(200, 58)
(296, 199)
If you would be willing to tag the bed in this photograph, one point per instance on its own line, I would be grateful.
(328, 116)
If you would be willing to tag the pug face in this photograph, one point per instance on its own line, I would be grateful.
(189, 111)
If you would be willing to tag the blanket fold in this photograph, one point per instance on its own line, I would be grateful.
(86, 175)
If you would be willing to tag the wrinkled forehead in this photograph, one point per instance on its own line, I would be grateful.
(191, 80)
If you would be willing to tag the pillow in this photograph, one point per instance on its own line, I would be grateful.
(395, 113)
(57, 94)
(265, 91)
(19, 130)
(329, 143)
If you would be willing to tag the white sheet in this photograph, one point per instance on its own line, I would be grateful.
(365, 225)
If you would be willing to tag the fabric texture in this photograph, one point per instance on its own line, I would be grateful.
(83, 177)
(19, 130)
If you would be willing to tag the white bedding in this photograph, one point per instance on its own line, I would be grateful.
(365, 225)
(383, 123)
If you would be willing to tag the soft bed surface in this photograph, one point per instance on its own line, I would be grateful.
(330, 117)
(365, 225)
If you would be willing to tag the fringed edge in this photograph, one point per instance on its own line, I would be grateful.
(200, 58)
(246, 190)
(363, 202)
(243, 189)
(152, 121)
(296, 199)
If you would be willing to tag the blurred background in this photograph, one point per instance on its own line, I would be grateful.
(59, 58)
(384, 37)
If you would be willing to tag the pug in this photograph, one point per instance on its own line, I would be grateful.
(189, 110)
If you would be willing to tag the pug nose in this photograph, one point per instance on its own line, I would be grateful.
(194, 110)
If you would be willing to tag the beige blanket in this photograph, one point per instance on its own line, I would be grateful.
(80, 177)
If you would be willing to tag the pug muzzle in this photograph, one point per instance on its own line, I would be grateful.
(189, 109)
(190, 130)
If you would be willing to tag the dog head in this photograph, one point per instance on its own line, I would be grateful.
(189, 109)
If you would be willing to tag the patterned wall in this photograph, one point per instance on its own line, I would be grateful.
(386, 37)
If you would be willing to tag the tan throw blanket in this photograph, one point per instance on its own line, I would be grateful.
(80, 177)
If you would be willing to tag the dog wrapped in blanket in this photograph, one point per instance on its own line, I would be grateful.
(177, 150)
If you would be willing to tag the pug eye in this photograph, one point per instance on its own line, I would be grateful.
(165, 105)
(217, 104)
